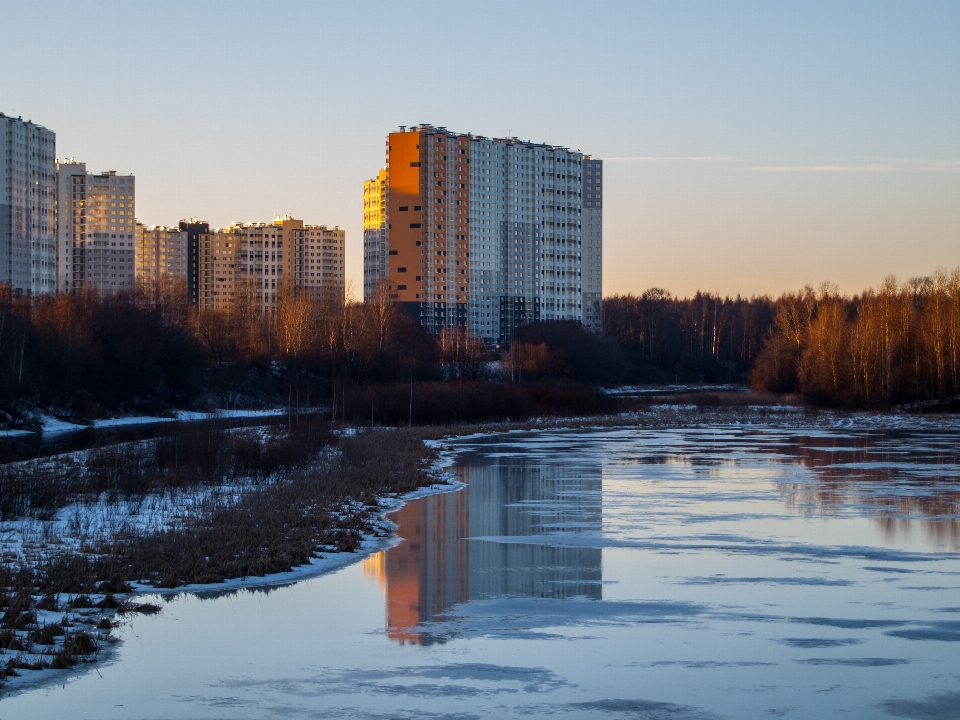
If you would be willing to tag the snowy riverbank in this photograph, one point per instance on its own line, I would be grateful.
(76, 529)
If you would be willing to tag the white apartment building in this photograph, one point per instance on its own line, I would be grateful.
(97, 229)
(527, 237)
(28, 207)
(160, 254)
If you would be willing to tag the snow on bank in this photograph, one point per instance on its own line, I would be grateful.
(51, 426)
(188, 415)
(191, 415)
(80, 525)
(134, 420)
(382, 538)
(77, 526)
(655, 390)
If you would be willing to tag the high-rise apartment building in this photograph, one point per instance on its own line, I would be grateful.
(592, 238)
(250, 262)
(28, 207)
(374, 233)
(160, 254)
(194, 229)
(486, 233)
(317, 257)
(219, 255)
(96, 229)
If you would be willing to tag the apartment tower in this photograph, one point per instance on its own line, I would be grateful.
(486, 233)
(194, 229)
(96, 229)
(374, 233)
(160, 255)
(248, 263)
(28, 207)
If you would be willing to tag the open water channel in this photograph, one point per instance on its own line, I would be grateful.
(623, 573)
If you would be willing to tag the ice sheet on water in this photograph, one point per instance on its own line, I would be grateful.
(721, 579)
(524, 618)
(638, 709)
(448, 680)
(940, 631)
(849, 623)
(855, 662)
(753, 547)
(937, 706)
(809, 643)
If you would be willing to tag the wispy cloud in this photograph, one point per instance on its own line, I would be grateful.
(889, 166)
(692, 158)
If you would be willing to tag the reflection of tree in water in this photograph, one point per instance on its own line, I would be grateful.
(905, 480)
(437, 566)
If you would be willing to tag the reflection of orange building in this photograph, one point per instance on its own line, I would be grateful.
(429, 571)
(437, 565)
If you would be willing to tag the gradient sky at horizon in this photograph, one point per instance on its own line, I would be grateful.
(750, 147)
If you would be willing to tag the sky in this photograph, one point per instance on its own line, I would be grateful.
(749, 147)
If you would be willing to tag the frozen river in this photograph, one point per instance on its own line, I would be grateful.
(611, 574)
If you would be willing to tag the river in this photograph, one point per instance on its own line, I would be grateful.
(625, 573)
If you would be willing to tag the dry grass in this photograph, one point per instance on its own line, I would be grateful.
(278, 526)
(195, 457)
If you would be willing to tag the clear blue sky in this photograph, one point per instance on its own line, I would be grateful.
(751, 146)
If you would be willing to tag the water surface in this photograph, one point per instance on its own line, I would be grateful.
(614, 573)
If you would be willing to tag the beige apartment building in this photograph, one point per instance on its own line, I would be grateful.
(250, 262)
(96, 229)
(160, 254)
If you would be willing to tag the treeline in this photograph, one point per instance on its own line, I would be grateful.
(78, 354)
(705, 338)
(896, 344)
(87, 355)
(90, 355)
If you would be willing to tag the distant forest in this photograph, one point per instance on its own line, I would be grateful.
(897, 344)
(148, 351)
